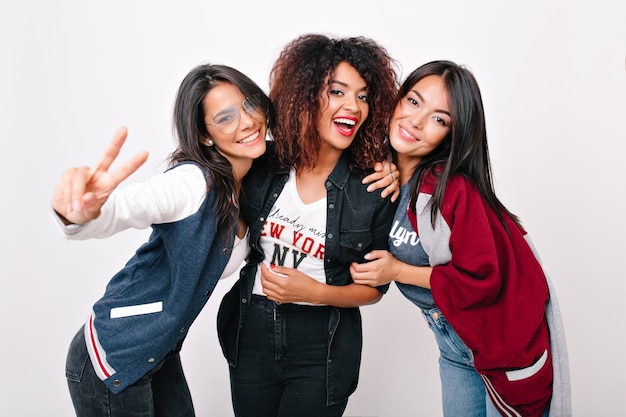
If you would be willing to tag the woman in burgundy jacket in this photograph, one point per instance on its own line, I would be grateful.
(465, 260)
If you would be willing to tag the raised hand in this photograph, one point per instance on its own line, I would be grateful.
(81, 191)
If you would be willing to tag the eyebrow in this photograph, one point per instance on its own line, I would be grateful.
(225, 110)
(437, 110)
(344, 84)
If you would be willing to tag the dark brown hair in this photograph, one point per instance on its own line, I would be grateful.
(190, 129)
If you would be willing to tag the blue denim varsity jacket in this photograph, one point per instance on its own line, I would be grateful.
(150, 303)
(357, 222)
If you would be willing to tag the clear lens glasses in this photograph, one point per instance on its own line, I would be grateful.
(227, 120)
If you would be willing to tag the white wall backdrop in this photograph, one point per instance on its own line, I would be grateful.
(553, 76)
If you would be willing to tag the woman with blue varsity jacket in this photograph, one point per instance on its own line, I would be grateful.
(125, 360)
(465, 260)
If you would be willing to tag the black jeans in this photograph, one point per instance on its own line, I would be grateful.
(281, 366)
(163, 392)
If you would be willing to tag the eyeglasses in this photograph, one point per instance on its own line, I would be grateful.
(227, 120)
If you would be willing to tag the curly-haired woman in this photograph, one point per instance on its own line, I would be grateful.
(291, 328)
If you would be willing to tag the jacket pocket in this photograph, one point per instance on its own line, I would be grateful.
(136, 310)
(527, 386)
(354, 244)
(524, 373)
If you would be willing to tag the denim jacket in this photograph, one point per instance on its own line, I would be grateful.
(149, 304)
(357, 222)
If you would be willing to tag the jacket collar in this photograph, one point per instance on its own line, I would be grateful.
(341, 173)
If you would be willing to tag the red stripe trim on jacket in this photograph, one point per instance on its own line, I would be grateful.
(94, 347)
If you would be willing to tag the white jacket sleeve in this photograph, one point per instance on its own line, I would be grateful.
(165, 198)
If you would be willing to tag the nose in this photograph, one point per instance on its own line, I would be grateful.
(245, 119)
(417, 119)
(350, 103)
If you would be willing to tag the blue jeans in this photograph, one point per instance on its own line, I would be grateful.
(281, 366)
(462, 388)
(163, 392)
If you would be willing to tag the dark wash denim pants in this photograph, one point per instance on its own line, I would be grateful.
(163, 392)
(282, 362)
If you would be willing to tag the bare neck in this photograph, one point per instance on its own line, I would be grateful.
(310, 182)
(407, 166)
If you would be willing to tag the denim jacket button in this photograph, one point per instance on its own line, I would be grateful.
(331, 206)
(117, 383)
(359, 245)
(150, 360)
(183, 330)
(330, 236)
(224, 251)
(243, 300)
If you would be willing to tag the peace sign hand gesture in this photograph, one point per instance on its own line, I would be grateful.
(82, 191)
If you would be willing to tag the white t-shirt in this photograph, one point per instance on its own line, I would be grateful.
(294, 235)
(240, 252)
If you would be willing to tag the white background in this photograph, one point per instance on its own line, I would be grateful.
(553, 78)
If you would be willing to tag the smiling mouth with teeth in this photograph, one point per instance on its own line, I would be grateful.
(250, 138)
(344, 125)
(345, 121)
(408, 135)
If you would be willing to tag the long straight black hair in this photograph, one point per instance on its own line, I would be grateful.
(464, 151)
(190, 130)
